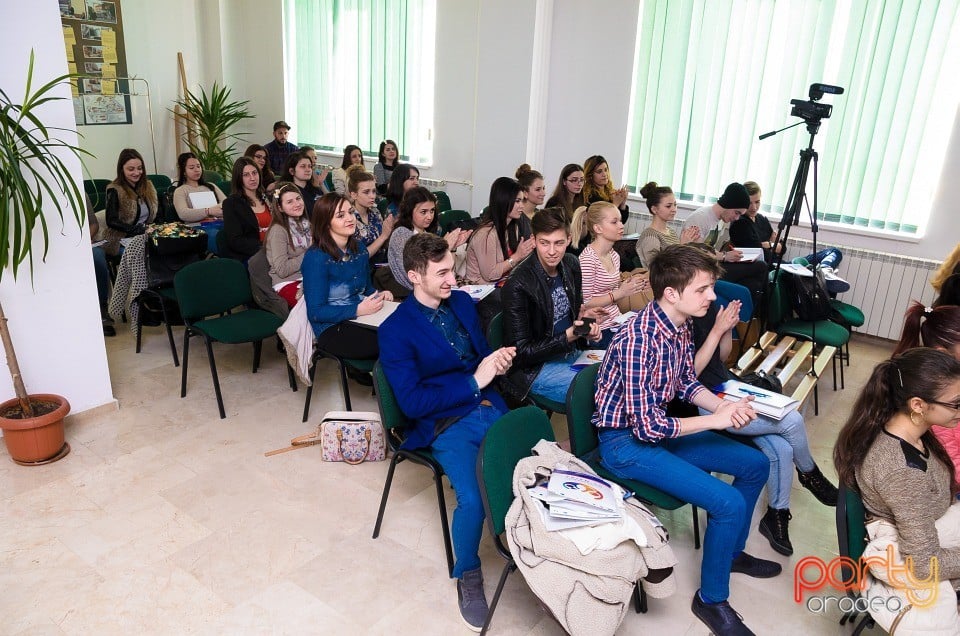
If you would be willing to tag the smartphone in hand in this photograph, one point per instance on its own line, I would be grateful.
(584, 329)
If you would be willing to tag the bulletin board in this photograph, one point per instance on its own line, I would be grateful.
(93, 36)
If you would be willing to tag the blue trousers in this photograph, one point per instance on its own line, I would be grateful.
(456, 449)
(681, 467)
(555, 377)
(785, 444)
(829, 257)
(103, 277)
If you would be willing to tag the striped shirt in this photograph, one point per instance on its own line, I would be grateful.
(597, 281)
(648, 363)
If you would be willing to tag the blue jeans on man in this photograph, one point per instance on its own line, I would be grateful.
(681, 467)
(555, 377)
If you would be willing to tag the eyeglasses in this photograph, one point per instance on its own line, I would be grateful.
(950, 405)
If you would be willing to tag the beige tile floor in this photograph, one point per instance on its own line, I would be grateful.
(166, 520)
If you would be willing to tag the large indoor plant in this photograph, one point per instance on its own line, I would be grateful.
(35, 184)
(211, 117)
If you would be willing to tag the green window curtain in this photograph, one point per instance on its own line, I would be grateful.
(711, 75)
(361, 71)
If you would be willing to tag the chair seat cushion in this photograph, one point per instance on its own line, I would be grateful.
(827, 332)
(549, 405)
(244, 326)
(848, 314)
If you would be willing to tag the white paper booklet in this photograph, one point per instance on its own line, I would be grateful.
(202, 199)
(771, 404)
(588, 357)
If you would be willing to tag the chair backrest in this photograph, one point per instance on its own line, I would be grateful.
(581, 405)
(97, 189)
(443, 201)
(393, 420)
(225, 186)
(381, 205)
(510, 439)
(160, 182)
(451, 217)
(851, 529)
(211, 287)
(495, 332)
(778, 305)
(211, 176)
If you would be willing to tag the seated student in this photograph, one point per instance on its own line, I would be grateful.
(246, 216)
(387, 159)
(783, 441)
(542, 311)
(441, 369)
(534, 191)
(131, 201)
(754, 230)
(336, 282)
(403, 178)
(887, 453)
(320, 172)
(947, 271)
(288, 239)
(937, 327)
(372, 229)
(599, 186)
(662, 205)
(418, 213)
(100, 269)
(279, 148)
(648, 363)
(352, 156)
(299, 170)
(713, 222)
(503, 240)
(259, 155)
(600, 265)
(190, 181)
(568, 193)
(949, 291)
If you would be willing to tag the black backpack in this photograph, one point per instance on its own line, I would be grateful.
(809, 298)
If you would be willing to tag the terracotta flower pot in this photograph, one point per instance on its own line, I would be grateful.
(36, 439)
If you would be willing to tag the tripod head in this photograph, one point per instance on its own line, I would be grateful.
(811, 111)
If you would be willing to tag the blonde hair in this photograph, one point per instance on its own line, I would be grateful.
(949, 267)
(590, 190)
(584, 218)
(752, 187)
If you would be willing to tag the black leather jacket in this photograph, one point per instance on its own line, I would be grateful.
(528, 319)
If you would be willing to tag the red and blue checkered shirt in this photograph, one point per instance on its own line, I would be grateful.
(648, 363)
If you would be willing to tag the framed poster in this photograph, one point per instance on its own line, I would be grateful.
(93, 37)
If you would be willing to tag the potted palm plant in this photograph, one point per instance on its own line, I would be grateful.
(34, 180)
(211, 117)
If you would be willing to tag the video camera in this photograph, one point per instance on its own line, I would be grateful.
(810, 110)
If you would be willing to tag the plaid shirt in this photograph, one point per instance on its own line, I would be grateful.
(647, 364)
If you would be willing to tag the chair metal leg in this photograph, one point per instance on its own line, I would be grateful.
(139, 323)
(696, 528)
(865, 623)
(444, 523)
(507, 569)
(292, 378)
(306, 401)
(186, 354)
(257, 348)
(216, 380)
(386, 493)
(639, 598)
(173, 346)
(343, 383)
(833, 363)
(843, 382)
(816, 400)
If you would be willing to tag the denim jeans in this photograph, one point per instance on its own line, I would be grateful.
(784, 442)
(829, 257)
(555, 377)
(681, 467)
(103, 277)
(456, 449)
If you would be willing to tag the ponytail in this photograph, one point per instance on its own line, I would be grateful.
(578, 226)
(937, 327)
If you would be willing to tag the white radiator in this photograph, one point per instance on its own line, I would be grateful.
(882, 285)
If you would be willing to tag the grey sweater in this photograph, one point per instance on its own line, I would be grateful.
(910, 490)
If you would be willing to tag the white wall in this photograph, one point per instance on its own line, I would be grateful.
(55, 324)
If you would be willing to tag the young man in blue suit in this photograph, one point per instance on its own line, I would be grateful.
(440, 367)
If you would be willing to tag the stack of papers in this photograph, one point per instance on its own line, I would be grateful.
(768, 403)
(588, 357)
(751, 254)
(571, 499)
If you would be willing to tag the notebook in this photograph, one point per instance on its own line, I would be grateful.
(203, 199)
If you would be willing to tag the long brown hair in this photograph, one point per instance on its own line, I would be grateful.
(929, 327)
(320, 220)
(236, 181)
(562, 197)
(590, 190)
(920, 372)
(278, 217)
(144, 184)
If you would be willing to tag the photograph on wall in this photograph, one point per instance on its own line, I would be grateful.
(93, 32)
(75, 9)
(93, 52)
(105, 109)
(91, 86)
(101, 11)
(93, 68)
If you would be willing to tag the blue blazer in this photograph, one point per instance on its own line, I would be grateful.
(425, 372)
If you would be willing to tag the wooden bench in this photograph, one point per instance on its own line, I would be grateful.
(784, 359)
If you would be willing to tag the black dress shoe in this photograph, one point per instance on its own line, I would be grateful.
(757, 568)
(360, 377)
(814, 481)
(719, 617)
(108, 329)
(774, 527)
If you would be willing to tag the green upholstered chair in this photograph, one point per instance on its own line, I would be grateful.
(510, 439)
(495, 340)
(207, 292)
(212, 176)
(581, 406)
(394, 424)
(852, 540)
(449, 218)
(382, 205)
(97, 189)
(443, 201)
(844, 314)
(160, 182)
